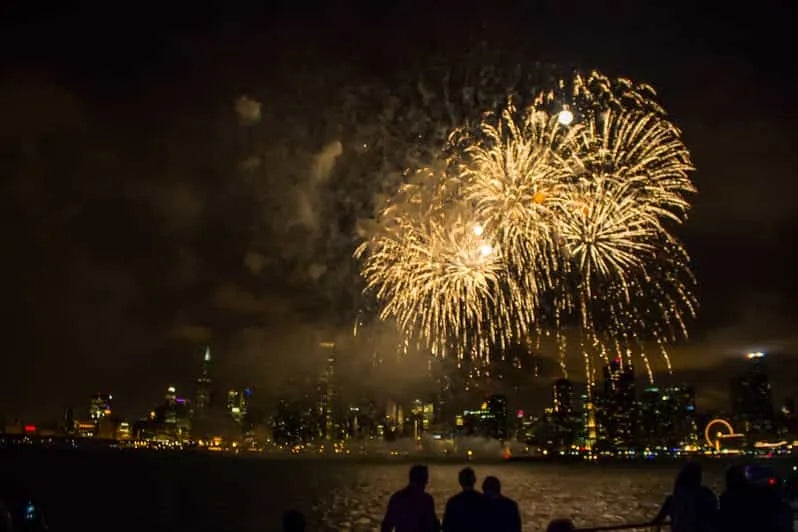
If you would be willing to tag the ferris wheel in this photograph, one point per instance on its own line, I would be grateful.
(717, 430)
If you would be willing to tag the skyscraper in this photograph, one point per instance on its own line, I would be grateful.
(203, 392)
(563, 397)
(327, 390)
(615, 407)
(69, 420)
(238, 403)
(752, 404)
(497, 426)
(650, 417)
(99, 406)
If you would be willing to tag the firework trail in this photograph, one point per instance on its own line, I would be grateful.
(436, 271)
(565, 209)
(635, 170)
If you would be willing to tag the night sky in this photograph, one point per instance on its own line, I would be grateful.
(132, 237)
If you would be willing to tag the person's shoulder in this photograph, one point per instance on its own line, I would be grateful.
(509, 502)
(400, 493)
(457, 496)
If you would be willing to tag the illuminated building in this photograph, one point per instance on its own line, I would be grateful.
(752, 404)
(651, 413)
(123, 431)
(787, 419)
(667, 417)
(497, 426)
(327, 390)
(563, 397)
(287, 424)
(170, 405)
(394, 421)
(168, 422)
(202, 397)
(421, 415)
(615, 406)
(590, 430)
(680, 405)
(238, 403)
(524, 426)
(99, 406)
(85, 429)
(489, 421)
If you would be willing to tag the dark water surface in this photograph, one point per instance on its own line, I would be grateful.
(121, 491)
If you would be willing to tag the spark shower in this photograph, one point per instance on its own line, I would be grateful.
(557, 216)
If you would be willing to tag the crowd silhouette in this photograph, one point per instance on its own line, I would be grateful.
(411, 509)
(753, 501)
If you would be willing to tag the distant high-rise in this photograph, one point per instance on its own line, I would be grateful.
(238, 403)
(69, 420)
(650, 417)
(615, 408)
(752, 404)
(497, 426)
(99, 406)
(327, 390)
(170, 405)
(666, 417)
(489, 421)
(563, 397)
(684, 428)
(202, 400)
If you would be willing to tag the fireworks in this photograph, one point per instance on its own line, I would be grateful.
(566, 208)
(515, 173)
(438, 272)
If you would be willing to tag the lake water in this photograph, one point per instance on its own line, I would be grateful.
(118, 491)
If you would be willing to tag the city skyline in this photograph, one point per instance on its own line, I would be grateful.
(622, 410)
(133, 236)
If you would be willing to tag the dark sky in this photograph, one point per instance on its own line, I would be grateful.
(130, 239)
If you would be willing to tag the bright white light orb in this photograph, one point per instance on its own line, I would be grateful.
(485, 249)
(478, 230)
(565, 117)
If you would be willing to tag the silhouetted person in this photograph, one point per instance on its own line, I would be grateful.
(502, 512)
(466, 511)
(782, 514)
(293, 521)
(779, 511)
(18, 513)
(737, 505)
(692, 507)
(561, 525)
(6, 520)
(769, 509)
(412, 509)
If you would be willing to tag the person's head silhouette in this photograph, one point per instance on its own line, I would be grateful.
(293, 521)
(491, 487)
(419, 476)
(735, 478)
(689, 476)
(467, 478)
(561, 525)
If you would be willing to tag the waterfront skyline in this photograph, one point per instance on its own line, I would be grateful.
(132, 239)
